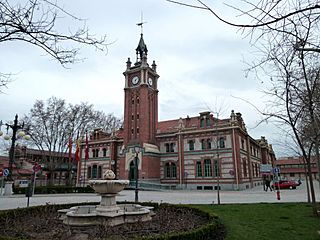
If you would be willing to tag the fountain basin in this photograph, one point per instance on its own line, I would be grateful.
(108, 212)
(90, 215)
(108, 186)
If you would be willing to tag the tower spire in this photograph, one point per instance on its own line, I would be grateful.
(141, 50)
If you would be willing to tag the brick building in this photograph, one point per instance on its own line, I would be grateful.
(191, 152)
(55, 166)
(294, 168)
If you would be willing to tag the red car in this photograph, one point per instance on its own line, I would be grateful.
(285, 184)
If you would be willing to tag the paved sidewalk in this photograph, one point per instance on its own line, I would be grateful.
(254, 195)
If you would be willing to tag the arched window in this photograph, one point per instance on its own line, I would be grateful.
(97, 152)
(167, 170)
(93, 153)
(173, 170)
(207, 168)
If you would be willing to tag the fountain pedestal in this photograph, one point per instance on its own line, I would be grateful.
(108, 203)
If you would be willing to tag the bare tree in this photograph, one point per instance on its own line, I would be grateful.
(34, 22)
(51, 124)
(269, 16)
(286, 35)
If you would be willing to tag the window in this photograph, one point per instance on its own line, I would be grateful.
(167, 147)
(138, 131)
(221, 143)
(209, 143)
(138, 116)
(171, 147)
(89, 172)
(208, 122)
(99, 172)
(202, 122)
(138, 100)
(244, 168)
(93, 153)
(97, 152)
(242, 143)
(216, 169)
(203, 144)
(207, 168)
(104, 152)
(167, 170)
(199, 169)
(191, 145)
(132, 117)
(94, 171)
(171, 170)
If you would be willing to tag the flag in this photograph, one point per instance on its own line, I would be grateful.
(87, 148)
(77, 153)
(70, 148)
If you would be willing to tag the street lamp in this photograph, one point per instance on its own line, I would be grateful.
(218, 159)
(16, 134)
(137, 150)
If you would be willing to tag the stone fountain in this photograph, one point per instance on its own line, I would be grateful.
(108, 212)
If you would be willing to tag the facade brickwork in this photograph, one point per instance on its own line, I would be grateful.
(192, 152)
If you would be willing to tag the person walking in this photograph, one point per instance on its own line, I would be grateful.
(268, 185)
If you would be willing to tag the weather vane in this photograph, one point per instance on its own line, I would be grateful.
(140, 24)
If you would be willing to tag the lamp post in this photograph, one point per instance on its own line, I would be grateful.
(137, 150)
(218, 160)
(16, 134)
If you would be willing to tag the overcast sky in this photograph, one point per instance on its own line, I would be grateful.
(200, 62)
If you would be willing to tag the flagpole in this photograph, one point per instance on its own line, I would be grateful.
(70, 161)
(85, 159)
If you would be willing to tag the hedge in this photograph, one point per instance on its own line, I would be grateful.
(54, 189)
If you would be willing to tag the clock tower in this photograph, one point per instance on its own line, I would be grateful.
(141, 100)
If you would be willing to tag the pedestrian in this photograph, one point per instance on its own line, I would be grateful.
(268, 185)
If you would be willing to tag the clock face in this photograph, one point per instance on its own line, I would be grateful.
(135, 80)
(150, 81)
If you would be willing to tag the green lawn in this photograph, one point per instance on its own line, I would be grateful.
(267, 221)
